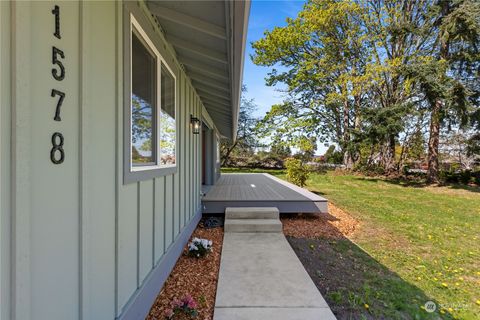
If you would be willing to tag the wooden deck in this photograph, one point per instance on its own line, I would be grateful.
(260, 190)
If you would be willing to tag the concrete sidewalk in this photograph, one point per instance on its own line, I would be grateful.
(261, 278)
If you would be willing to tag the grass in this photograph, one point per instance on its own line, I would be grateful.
(427, 238)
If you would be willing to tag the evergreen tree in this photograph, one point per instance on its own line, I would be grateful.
(447, 72)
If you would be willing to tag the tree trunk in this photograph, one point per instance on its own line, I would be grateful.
(434, 139)
(389, 156)
(433, 142)
(229, 150)
(347, 160)
(347, 156)
(357, 128)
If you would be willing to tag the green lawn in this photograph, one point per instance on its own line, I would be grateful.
(427, 237)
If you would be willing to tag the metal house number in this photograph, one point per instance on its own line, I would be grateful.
(57, 154)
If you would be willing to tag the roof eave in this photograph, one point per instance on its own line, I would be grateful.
(239, 26)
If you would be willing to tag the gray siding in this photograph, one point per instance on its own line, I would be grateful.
(82, 239)
(5, 118)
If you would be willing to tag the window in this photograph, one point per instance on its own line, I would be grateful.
(151, 139)
(167, 119)
(143, 104)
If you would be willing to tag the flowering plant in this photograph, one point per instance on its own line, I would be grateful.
(199, 247)
(178, 307)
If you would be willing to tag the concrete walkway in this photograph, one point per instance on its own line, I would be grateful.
(261, 278)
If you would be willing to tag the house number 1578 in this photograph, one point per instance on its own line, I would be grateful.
(57, 154)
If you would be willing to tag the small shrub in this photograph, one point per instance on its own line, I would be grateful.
(185, 308)
(457, 176)
(254, 161)
(271, 162)
(476, 177)
(297, 172)
(370, 169)
(199, 247)
(465, 176)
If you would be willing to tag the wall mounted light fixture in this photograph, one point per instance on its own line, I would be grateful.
(195, 124)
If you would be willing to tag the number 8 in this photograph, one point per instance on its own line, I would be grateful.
(57, 147)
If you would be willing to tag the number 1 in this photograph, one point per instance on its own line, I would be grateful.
(56, 12)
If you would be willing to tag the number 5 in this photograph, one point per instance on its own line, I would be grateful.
(55, 53)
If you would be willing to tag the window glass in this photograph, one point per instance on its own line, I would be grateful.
(143, 104)
(167, 118)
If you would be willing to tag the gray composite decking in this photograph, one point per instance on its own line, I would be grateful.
(260, 190)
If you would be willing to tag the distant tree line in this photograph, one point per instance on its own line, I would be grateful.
(385, 81)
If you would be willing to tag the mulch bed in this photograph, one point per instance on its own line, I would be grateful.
(197, 277)
(336, 224)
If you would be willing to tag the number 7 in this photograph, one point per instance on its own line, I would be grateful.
(59, 104)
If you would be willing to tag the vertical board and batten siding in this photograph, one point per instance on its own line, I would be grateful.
(5, 167)
(82, 240)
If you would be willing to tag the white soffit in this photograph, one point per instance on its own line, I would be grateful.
(209, 38)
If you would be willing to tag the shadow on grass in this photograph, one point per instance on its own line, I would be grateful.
(318, 193)
(419, 183)
(274, 172)
(357, 286)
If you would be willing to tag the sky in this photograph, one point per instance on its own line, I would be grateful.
(265, 15)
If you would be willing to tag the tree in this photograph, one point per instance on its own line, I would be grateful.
(280, 149)
(447, 72)
(366, 74)
(324, 56)
(341, 62)
(332, 156)
(246, 139)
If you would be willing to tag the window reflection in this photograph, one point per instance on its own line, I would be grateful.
(143, 104)
(167, 118)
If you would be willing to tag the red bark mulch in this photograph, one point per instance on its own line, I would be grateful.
(336, 224)
(197, 277)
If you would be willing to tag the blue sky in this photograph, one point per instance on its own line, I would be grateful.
(265, 15)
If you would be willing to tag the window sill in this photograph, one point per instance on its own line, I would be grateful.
(147, 173)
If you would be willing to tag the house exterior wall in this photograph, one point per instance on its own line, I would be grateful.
(5, 166)
(84, 245)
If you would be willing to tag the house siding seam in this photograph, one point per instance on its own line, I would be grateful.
(82, 239)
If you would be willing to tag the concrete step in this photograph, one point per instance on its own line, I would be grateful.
(252, 213)
(253, 225)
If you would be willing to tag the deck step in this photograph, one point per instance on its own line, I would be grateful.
(253, 225)
(252, 213)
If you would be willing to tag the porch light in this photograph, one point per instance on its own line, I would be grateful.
(195, 124)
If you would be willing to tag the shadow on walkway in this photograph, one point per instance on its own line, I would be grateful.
(354, 284)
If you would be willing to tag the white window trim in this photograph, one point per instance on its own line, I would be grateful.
(134, 24)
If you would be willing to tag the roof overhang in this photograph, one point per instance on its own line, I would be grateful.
(209, 38)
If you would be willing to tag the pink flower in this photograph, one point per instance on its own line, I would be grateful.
(176, 303)
(189, 302)
(192, 304)
(168, 313)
